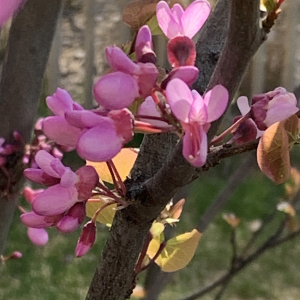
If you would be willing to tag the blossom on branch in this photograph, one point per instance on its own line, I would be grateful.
(66, 188)
(195, 114)
(269, 108)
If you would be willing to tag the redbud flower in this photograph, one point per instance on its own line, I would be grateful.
(269, 108)
(195, 114)
(56, 127)
(102, 137)
(119, 89)
(86, 239)
(72, 219)
(143, 46)
(16, 255)
(70, 188)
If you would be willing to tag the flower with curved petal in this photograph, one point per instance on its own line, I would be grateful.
(195, 114)
(177, 22)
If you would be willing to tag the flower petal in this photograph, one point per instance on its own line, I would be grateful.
(279, 113)
(243, 105)
(43, 160)
(216, 101)
(60, 102)
(119, 61)
(55, 200)
(31, 219)
(195, 146)
(194, 17)
(38, 236)
(60, 131)
(166, 20)
(99, 143)
(116, 90)
(180, 99)
(87, 181)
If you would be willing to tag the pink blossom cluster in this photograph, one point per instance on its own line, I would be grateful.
(266, 109)
(168, 105)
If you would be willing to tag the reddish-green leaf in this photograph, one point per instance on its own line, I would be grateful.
(273, 155)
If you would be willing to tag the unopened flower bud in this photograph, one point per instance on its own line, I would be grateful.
(86, 239)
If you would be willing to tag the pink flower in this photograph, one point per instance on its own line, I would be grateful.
(101, 137)
(86, 239)
(38, 236)
(72, 219)
(269, 108)
(177, 22)
(8, 8)
(143, 46)
(57, 128)
(195, 114)
(69, 188)
(119, 89)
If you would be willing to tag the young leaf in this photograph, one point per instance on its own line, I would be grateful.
(138, 13)
(123, 161)
(153, 26)
(273, 155)
(106, 216)
(291, 126)
(178, 251)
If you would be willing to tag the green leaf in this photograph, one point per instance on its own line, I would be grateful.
(178, 251)
(106, 216)
(153, 26)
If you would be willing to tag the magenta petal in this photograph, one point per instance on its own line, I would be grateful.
(116, 90)
(149, 108)
(43, 160)
(194, 17)
(31, 219)
(60, 131)
(87, 181)
(72, 219)
(279, 113)
(8, 8)
(143, 46)
(216, 101)
(119, 61)
(198, 112)
(195, 145)
(29, 194)
(69, 178)
(147, 78)
(60, 102)
(188, 74)
(55, 200)
(180, 99)
(38, 236)
(39, 176)
(166, 20)
(123, 122)
(99, 143)
(177, 12)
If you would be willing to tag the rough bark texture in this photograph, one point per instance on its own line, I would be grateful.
(20, 88)
(114, 277)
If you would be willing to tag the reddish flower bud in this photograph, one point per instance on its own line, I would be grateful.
(86, 239)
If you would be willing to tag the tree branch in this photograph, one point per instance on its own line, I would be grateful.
(24, 65)
(114, 280)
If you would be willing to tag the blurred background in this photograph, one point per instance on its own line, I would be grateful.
(77, 59)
